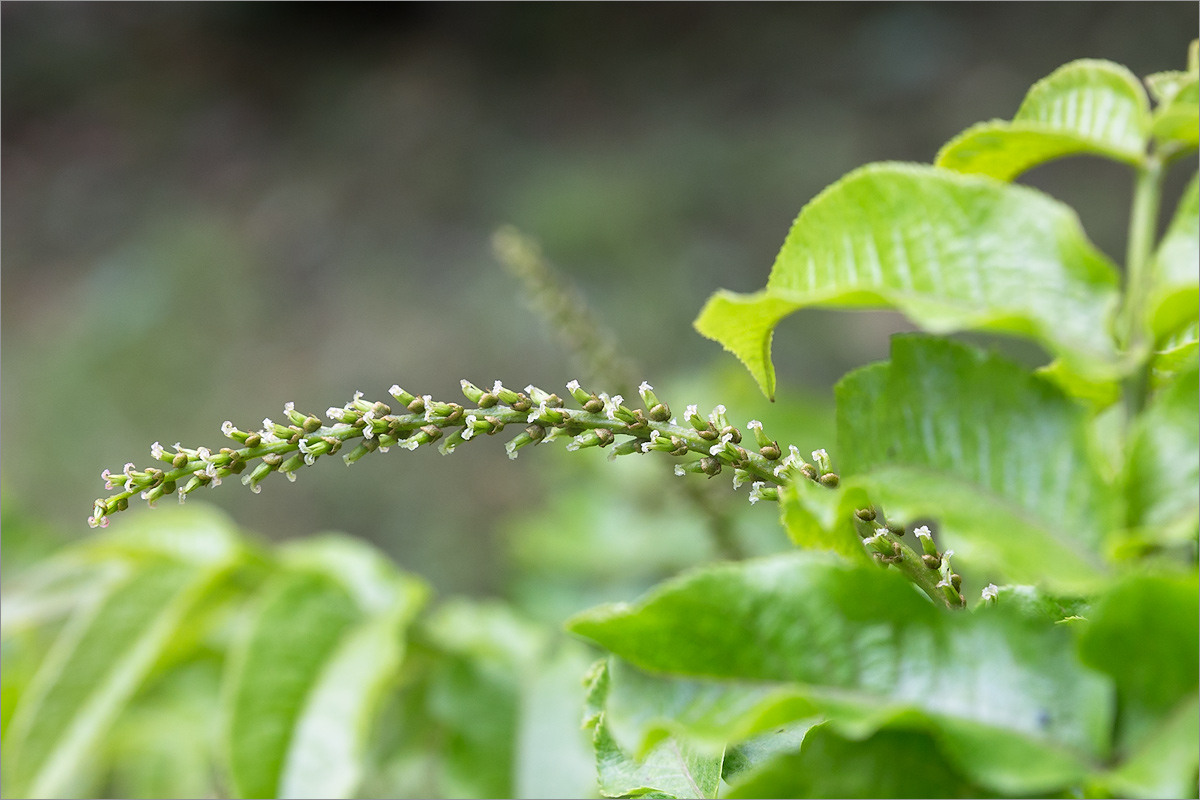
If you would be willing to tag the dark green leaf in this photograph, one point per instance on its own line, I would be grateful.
(939, 247)
(998, 456)
(888, 764)
(1145, 633)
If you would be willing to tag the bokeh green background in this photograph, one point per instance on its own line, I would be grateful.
(212, 209)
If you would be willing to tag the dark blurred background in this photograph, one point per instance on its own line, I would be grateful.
(212, 209)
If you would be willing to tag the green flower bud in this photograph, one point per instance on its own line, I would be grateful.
(471, 391)
(710, 466)
(932, 561)
(830, 479)
(661, 412)
(593, 405)
(865, 514)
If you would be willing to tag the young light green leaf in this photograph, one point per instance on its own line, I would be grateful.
(109, 645)
(1145, 633)
(670, 769)
(1175, 291)
(1176, 121)
(1164, 465)
(998, 456)
(890, 763)
(305, 681)
(939, 247)
(1087, 107)
(870, 652)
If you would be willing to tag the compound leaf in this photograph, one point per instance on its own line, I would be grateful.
(1087, 107)
(939, 247)
(998, 456)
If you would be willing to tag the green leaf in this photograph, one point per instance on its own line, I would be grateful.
(1087, 107)
(888, 764)
(867, 649)
(1175, 291)
(1144, 633)
(997, 455)
(817, 518)
(1164, 465)
(939, 247)
(669, 769)
(1176, 121)
(1165, 764)
(304, 683)
(109, 644)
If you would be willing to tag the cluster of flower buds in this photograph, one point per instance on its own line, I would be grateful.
(361, 427)
(930, 569)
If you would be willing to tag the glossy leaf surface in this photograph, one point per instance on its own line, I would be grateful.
(939, 247)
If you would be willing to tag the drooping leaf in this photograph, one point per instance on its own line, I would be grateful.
(109, 644)
(1164, 465)
(870, 652)
(1087, 107)
(939, 247)
(889, 763)
(305, 681)
(1175, 291)
(998, 456)
(671, 768)
(1145, 633)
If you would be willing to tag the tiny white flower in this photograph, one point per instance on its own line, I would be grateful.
(410, 444)
(428, 400)
(395, 391)
(129, 467)
(923, 532)
(227, 428)
(646, 447)
(182, 496)
(720, 445)
(692, 411)
(497, 387)
(269, 437)
(204, 453)
(946, 555)
(268, 425)
(572, 446)
(530, 389)
(754, 425)
(739, 478)
(289, 407)
(469, 428)
(368, 429)
(291, 476)
(573, 386)
(334, 413)
(818, 455)
(211, 471)
(537, 412)
(156, 450)
(990, 591)
(679, 470)
(256, 488)
(756, 491)
(304, 446)
(781, 470)
(358, 396)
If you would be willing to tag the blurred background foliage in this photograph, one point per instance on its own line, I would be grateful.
(212, 209)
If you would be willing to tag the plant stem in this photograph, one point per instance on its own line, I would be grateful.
(1143, 225)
